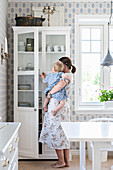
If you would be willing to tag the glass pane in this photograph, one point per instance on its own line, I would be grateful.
(85, 46)
(26, 91)
(55, 43)
(90, 77)
(40, 42)
(85, 34)
(95, 34)
(26, 52)
(25, 61)
(95, 46)
(51, 58)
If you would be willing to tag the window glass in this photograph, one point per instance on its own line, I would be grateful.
(85, 34)
(90, 60)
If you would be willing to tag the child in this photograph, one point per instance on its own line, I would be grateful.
(52, 79)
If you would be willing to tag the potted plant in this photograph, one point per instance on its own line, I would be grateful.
(106, 97)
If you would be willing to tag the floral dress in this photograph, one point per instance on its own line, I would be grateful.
(52, 133)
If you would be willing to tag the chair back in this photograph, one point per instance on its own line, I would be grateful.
(101, 120)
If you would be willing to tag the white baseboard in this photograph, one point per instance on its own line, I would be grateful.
(110, 153)
(76, 152)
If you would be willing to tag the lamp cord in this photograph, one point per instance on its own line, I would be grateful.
(109, 23)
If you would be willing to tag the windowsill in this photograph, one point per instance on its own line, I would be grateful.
(94, 111)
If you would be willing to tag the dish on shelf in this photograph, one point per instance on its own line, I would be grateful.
(24, 104)
(21, 46)
(29, 68)
(40, 98)
(24, 86)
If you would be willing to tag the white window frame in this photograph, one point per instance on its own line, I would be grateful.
(82, 20)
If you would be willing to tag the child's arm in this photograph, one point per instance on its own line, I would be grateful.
(67, 77)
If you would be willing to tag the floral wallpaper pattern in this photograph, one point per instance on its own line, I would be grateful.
(70, 10)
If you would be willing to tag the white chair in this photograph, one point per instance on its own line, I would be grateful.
(105, 146)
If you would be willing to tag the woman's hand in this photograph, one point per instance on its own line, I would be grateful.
(49, 95)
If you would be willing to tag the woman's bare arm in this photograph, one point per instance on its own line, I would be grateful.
(67, 77)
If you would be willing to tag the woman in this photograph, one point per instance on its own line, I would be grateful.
(52, 133)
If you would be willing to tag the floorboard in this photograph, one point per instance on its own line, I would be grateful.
(74, 164)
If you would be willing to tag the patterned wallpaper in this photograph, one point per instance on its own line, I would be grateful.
(70, 10)
(3, 68)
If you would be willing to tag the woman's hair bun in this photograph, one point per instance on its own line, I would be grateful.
(73, 70)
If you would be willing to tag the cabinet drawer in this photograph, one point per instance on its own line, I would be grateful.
(4, 161)
(14, 164)
(12, 147)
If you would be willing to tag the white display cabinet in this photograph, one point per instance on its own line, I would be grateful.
(35, 51)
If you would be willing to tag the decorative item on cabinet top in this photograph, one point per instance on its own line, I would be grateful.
(49, 12)
(29, 21)
(56, 20)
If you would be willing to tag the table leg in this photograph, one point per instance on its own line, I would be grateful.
(82, 155)
(96, 157)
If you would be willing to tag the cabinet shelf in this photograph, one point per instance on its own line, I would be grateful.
(26, 72)
(26, 90)
(53, 52)
(26, 52)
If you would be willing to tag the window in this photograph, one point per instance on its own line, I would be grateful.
(111, 50)
(90, 53)
(91, 48)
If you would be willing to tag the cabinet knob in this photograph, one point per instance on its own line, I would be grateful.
(11, 149)
(35, 109)
(16, 139)
(5, 162)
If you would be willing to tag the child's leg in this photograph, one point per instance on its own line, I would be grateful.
(46, 101)
(59, 106)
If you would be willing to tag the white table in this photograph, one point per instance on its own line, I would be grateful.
(89, 131)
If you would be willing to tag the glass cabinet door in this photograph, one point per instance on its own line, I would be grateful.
(25, 90)
(25, 68)
(25, 52)
(55, 48)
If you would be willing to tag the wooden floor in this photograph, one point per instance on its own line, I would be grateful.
(74, 164)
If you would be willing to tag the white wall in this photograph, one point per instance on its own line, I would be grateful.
(3, 68)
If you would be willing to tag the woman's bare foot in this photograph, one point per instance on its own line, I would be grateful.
(45, 108)
(54, 112)
(67, 164)
(58, 165)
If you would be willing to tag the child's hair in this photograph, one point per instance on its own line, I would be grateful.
(58, 66)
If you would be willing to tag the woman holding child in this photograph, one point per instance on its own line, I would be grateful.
(52, 133)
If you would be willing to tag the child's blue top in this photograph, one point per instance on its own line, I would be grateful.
(52, 79)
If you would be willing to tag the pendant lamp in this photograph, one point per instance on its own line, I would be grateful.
(108, 60)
